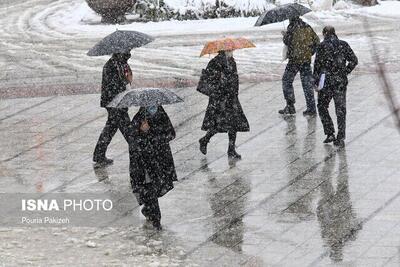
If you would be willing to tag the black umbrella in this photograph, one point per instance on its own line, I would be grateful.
(120, 42)
(144, 97)
(282, 13)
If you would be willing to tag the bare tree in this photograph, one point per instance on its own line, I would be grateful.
(387, 86)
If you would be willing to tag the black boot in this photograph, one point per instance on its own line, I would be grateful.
(288, 110)
(146, 213)
(204, 141)
(339, 143)
(232, 154)
(311, 113)
(329, 139)
(232, 147)
(203, 145)
(154, 213)
(102, 162)
(157, 225)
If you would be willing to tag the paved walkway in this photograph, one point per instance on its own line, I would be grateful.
(291, 201)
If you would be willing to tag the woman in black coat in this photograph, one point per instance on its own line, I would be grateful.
(224, 112)
(152, 168)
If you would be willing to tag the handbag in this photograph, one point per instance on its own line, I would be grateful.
(203, 85)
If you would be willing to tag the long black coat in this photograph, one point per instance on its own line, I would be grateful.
(113, 81)
(151, 153)
(336, 59)
(224, 112)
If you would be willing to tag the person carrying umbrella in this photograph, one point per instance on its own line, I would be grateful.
(152, 168)
(224, 112)
(116, 75)
(151, 165)
(302, 42)
(333, 62)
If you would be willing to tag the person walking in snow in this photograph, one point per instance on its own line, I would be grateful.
(334, 61)
(301, 41)
(151, 168)
(116, 75)
(224, 112)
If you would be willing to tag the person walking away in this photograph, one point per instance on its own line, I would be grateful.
(224, 112)
(334, 61)
(301, 41)
(116, 75)
(151, 168)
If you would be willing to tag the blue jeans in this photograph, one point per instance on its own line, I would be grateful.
(306, 80)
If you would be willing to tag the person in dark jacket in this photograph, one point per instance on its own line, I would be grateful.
(152, 168)
(301, 41)
(116, 75)
(224, 112)
(335, 59)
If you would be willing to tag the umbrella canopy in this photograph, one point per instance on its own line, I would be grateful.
(144, 97)
(227, 44)
(120, 42)
(282, 13)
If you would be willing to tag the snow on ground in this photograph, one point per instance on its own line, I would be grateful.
(63, 31)
(385, 9)
(242, 5)
(76, 17)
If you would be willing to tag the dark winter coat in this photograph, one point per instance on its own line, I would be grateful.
(152, 168)
(114, 80)
(301, 41)
(336, 59)
(224, 112)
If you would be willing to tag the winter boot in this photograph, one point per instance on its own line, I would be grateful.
(146, 213)
(203, 145)
(157, 225)
(102, 162)
(288, 110)
(339, 143)
(329, 139)
(232, 154)
(311, 113)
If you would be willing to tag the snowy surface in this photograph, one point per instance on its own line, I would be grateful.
(242, 5)
(61, 32)
(77, 17)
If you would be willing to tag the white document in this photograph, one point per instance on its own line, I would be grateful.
(284, 52)
(321, 81)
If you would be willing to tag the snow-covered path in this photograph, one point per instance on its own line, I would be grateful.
(44, 42)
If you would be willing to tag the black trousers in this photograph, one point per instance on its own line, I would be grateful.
(117, 119)
(338, 94)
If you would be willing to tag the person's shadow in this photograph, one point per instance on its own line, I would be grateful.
(228, 206)
(300, 203)
(338, 221)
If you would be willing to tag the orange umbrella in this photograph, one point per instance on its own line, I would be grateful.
(227, 44)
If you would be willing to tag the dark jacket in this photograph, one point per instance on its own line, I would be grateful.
(224, 112)
(301, 40)
(152, 154)
(113, 81)
(336, 59)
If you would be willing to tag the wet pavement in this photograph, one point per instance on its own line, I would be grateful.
(291, 200)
